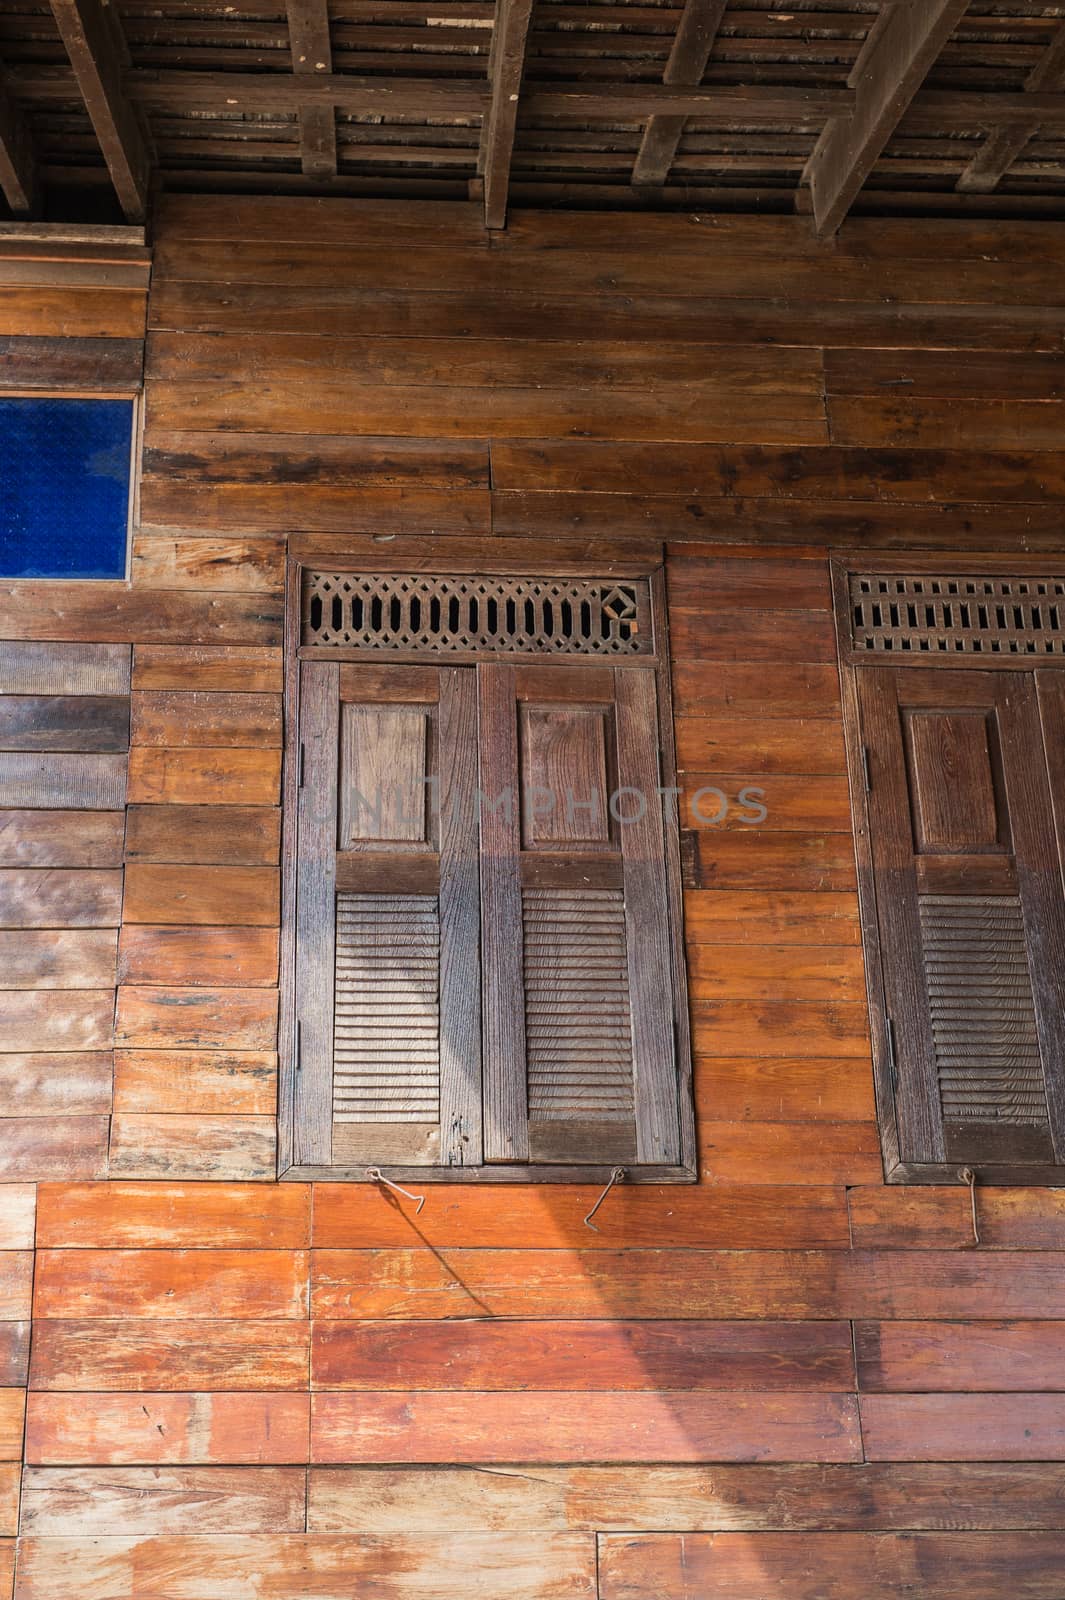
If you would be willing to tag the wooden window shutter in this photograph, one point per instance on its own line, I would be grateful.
(970, 914)
(580, 1059)
(388, 1003)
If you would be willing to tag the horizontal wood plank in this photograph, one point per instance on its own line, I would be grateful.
(84, 1502)
(140, 1428)
(121, 1215)
(219, 1082)
(195, 895)
(61, 838)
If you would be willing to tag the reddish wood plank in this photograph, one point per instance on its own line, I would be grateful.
(721, 744)
(213, 1355)
(739, 688)
(253, 566)
(964, 1427)
(117, 1216)
(76, 1503)
(12, 1411)
(14, 1354)
(551, 1217)
(161, 616)
(727, 1426)
(761, 1089)
(775, 972)
(213, 777)
(933, 1218)
(760, 859)
(788, 1152)
(16, 1278)
(733, 916)
(581, 1356)
(224, 835)
(10, 1483)
(187, 894)
(149, 954)
(169, 1283)
(779, 1028)
(210, 1019)
(224, 1148)
(226, 1082)
(812, 1566)
(230, 1429)
(932, 1356)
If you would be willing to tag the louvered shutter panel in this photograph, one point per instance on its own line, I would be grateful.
(387, 991)
(580, 1059)
(971, 913)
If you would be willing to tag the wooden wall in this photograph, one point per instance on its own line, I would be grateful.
(786, 1382)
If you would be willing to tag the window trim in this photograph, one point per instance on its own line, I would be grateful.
(632, 559)
(851, 662)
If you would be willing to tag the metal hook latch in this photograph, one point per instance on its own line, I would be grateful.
(617, 1175)
(378, 1177)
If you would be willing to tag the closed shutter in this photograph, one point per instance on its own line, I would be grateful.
(388, 999)
(580, 1063)
(970, 913)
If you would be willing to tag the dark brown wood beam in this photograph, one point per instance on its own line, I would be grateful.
(312, 53)
(991, 163)
(506, 69)
(91, 33)
(903, 46)
(692, 47)
(18, 172)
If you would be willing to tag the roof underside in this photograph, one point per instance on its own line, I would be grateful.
(591, 105)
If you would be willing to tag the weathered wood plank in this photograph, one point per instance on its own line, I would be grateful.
(785, 1152)
(253, 566)
(204, 777)
(196, 1019)
(192, 955)
(89, 782)
(69, 1084)
(222, 1082)
(43, 1148)
(131, 1429)
(731, 916)
(61, 838)
(14, 1358)
(131, 1354)
(812, 1566)
(933, 1218)
(33, 361)
(223, 1148)
(964, 1427)
(50, 668)
(120, 1216)
(170, 1283)
(802, 1090)
(177, 719)
(932, 1357)
(553, 1567)
(57, 1019)
(54, 897)
(81, 958)
(12, 1412)
(582, 1356)
(18, 1205)
(204, 895)
(233, 836)
(35, 611)
(16, 1284)
(77, 1503)
(218, 668)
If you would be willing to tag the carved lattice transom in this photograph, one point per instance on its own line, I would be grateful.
(934, 614)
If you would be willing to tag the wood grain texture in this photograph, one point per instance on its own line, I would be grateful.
(42, 1148)
(154, 616)
(964, 1427)
(170, 1283)
(116, 1216)
(928, 1357)
(57, 1019)
(90, 723)
(166, 1355)
(220, 668)
(61, 838)
(178, 718)
(141, 1428)
(77, 958)
(238, 896)
(18, 1208)
(575, 1356)
(64, 669)
(936, 1218)
(210, 956)
(60, 898)
(211, 777)
(39, 1083)
(805, 1566)
(648, 1427)
(162, 1018)
(234, 836)
(556, 1567)
(226, 1148)
(226, 1082)
(92, 782)
(81, 1502)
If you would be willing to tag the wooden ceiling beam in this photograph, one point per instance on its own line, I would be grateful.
(997, 155)
(692, 47)
(506, 69)
(90, 33)
(903, 47)
(18, 171)
(312, 54)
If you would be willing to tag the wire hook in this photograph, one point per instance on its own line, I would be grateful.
(617, 1175)
(967, 1175)
(378, 1176)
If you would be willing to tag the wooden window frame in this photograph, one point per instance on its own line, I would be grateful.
(897, 1170)
(635, 559)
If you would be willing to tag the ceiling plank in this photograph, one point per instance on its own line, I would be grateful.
(692, 47)
(506, 68)
(18, 172)
(887, 76)
(90, 33)
(312, 53)
(994, 159)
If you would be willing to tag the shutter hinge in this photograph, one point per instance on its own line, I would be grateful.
(865, 769)
(893, 1065)
(303, 763)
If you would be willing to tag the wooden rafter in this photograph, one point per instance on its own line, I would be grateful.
(506, 68)
(312, 53)
(90, 33)
(18, 172)
(997, 155)
(903, 47)
(692, 47)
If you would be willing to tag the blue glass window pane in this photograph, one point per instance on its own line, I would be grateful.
(64, 487)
